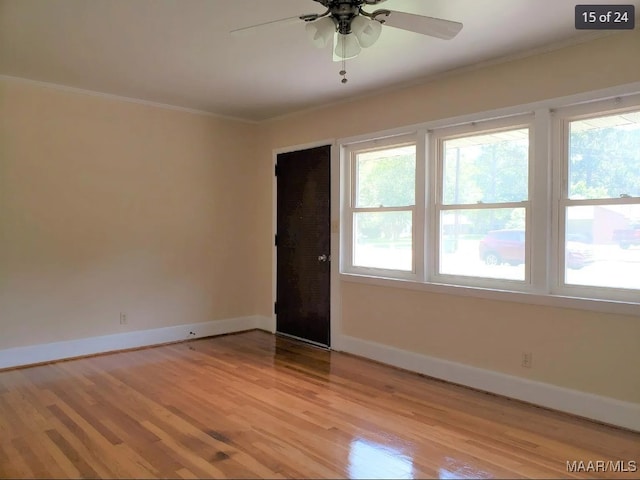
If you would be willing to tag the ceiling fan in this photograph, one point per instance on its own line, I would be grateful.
(353, 28)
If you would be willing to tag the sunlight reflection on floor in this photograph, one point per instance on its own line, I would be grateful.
(369, 459)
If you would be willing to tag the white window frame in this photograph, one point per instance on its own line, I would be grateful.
(562, 119)
(546, 179)
(437, 205)
(349, 155)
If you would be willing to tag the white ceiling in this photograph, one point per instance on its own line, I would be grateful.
(179, 52)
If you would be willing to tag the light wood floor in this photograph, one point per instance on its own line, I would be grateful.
(254, 405)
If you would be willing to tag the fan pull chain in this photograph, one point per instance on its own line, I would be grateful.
(343, 72)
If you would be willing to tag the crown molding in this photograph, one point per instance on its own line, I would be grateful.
(120, 98)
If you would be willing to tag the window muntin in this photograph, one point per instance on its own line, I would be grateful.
(485, 191)
(601, 207)
(383, 208)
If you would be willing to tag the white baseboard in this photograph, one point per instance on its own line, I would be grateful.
(603, 409)
(268, 324)
(33, 354)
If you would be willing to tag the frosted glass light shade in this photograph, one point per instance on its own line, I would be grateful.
(321, 31)
(367, 31)
(347, 46)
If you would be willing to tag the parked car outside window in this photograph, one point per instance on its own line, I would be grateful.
(507, 246)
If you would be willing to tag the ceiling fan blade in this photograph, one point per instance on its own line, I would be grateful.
(434, 27)
(256, 28)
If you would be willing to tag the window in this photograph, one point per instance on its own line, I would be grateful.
(382, 207)
(483, 204)
(600, 204)
(543, 201)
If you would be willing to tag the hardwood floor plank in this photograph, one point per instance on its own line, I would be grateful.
(87, 418)
(186, 473)
(39, 463)
(183, 456)
(12, 463)
(68, 458)
(253, 405)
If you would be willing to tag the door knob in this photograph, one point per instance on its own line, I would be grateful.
(322, 258)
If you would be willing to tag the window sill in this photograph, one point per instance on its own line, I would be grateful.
(590, 304)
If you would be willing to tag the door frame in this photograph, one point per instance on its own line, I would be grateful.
(335, 320)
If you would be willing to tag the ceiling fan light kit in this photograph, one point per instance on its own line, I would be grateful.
(366, 30)
(347, 46)
(353, 28)
(321, 31)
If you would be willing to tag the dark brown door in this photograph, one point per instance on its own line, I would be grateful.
(303, 244)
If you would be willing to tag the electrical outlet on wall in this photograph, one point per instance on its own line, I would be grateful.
(527, 359)
(123, 318)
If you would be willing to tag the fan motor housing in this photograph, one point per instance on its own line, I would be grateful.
(344, 11)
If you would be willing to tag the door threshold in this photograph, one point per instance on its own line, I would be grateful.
(304, 340)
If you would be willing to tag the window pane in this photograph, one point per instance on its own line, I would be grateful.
(383, 240)
(483, 243)
(487, 168)
(386, 178)
(602, 246)
(604, 157)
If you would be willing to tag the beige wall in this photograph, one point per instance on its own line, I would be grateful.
(582, 350)
(108, 206)
(601, 63)
(587, 351)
